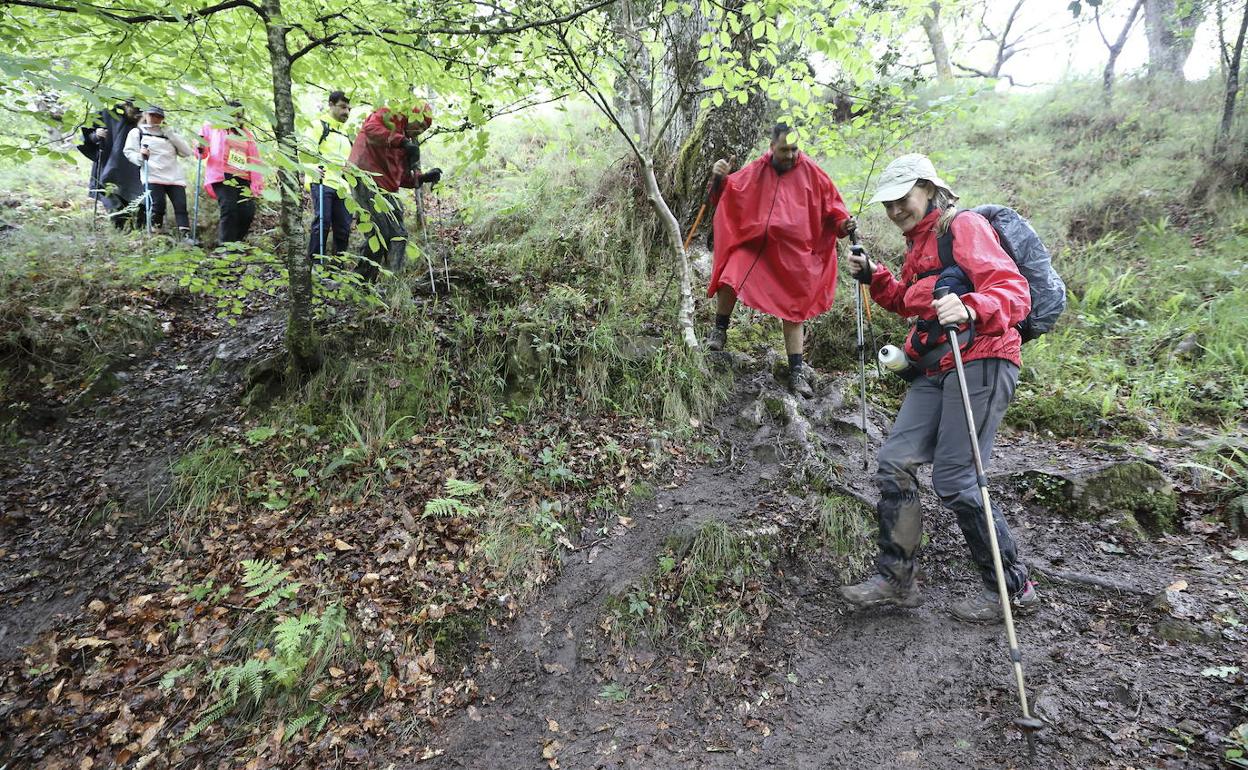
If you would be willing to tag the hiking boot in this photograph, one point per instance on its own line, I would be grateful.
(879, 590)
(717, 339)
(802, 381)
(985, 606)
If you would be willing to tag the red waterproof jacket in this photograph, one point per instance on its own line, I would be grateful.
(1001, 298)
(775, 238)
(378, 149)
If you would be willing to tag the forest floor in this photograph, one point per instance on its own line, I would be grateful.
(1142, 675)
(817, 685)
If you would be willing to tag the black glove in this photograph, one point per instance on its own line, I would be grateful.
(411, 153)
(431, 177)
(863, 276)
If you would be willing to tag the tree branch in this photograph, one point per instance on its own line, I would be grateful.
(141, 18)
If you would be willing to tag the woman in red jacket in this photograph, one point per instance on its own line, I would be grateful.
(990, 298)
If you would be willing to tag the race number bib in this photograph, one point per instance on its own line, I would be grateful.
(236, 158)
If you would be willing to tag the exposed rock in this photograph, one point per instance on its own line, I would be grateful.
(1132, 492)
(1176, 630)
(751, 416)
(640, 349)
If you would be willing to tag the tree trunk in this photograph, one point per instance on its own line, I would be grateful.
(671, 228)
(936, 37)
(640, 111)
(1232, 87)
(1170, 26)
(300, 336)
(1115, 48)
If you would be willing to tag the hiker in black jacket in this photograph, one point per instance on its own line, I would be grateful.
(114, 180)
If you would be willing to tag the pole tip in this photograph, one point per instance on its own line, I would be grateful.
(1030, 726)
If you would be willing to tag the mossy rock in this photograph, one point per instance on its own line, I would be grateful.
(1133, 491)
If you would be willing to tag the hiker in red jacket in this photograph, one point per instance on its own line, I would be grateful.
(386, 150)
(776, 227)
(988, 299)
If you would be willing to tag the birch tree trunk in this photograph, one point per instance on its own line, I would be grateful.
(641, 112)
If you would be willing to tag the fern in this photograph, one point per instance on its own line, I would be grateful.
(267, 579)
(249, 677)
(330, 630)
(288, 635)
(212, 714)
(445, 507)
(461, 488)
(303, 720)
(171, 677)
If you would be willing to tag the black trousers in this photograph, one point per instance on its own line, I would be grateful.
(119, 211)
(329, 216)
(385, 234)
(162, 195)
(238, 208)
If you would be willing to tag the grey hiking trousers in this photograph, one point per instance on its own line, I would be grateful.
(930, 427)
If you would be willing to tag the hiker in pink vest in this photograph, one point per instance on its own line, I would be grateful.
(231, 176)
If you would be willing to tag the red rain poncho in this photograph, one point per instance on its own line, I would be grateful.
(794, 218)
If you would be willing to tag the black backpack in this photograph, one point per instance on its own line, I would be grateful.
(1023, 244)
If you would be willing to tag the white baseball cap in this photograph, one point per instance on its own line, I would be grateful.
(900, 175)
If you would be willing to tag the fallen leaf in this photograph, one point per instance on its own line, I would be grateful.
(343, 545)
(1240, 554)
(1178, 585)
(551, 749)
(474, 714)
(1221, 672)
(1110, 547)
(88, 641)
(55, 694)
(552, 725)
(150, 733)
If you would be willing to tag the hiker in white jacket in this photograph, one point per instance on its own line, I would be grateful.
(155, 149)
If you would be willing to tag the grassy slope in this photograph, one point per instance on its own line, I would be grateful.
(1107, 187)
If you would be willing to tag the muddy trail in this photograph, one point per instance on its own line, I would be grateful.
(80, 500)
(1131, 660)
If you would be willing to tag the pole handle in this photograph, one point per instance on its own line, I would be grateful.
(937, 293)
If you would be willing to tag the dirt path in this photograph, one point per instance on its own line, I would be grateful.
(822, 687)
(76, 501)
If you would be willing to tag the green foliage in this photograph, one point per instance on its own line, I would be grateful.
(846, 527)
(268, 581)
(704, 592)
(452, 505)
(293, 652)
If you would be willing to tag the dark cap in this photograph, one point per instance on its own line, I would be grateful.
(154, 110)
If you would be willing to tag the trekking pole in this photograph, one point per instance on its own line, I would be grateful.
(199, 173)
(446, 268)
(1027, 723)
(320, 217)
(420, 212)
(859, 305)
(710, 193)
(147, 199)
(95, 190)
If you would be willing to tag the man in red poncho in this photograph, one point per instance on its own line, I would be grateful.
(386, 150)
(776, 227)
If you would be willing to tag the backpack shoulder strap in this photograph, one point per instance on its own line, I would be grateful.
(944, 249)
(324, 133)
(944, 244)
